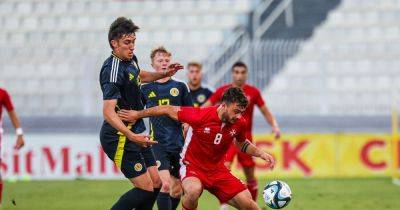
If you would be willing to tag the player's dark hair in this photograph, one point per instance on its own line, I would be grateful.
(120, 27)
(239, 64)
(235, 95)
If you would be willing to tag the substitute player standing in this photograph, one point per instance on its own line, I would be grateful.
(239, 77)
(166, 131)
(214, 129)
(199, 93)
(120, 80)
(5, 100)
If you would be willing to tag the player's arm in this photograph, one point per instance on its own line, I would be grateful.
(251, 149)
(112, 118)
(164, 110)
(15, 121)
(271, 120)
(18, 130)
(147, 76)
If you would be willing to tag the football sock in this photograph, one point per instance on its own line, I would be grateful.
(132, 199)
(175, 202)
(163, 201)
(252, 185)
(184, 208)
(149, 205)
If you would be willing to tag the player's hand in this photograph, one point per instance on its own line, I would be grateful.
(20, 142)
(269, 159)
(128, 115)
(142, 140)
(172, 69)
(276, 131)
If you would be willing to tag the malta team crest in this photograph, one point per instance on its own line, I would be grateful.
(201, 98)
(174, 92)
(138, 167)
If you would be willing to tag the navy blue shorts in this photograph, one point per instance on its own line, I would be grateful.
(131, 162)
(167, 160)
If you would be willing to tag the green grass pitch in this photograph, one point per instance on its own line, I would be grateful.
(324, 194)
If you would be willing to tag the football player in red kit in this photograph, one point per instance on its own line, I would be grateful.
(5, 100)
(213, 129)
(239, 77)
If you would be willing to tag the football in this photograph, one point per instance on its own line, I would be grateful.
(277, 194)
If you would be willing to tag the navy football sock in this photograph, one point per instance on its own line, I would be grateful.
(132, 199)
(175, 202)
(163, 201)
(149, 205)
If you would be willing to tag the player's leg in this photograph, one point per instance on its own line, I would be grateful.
(163, 163)
(164, 200)
(140, 196)
(243, 200)
(192, 189)
(229, 158)
(152, 169)
(248, 165)
(176, 192)
(132, 166)
(229, 189)
(176, 184)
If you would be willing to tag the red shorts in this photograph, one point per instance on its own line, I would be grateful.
(244, 159)
(221, 183)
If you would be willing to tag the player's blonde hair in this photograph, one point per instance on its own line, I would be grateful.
(159, 49)
(195, 64)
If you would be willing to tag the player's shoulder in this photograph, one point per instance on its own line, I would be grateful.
(112, 63)
(252, 88)
(180, 83)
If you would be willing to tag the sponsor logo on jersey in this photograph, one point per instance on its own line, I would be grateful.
(201, 98)
(174, 92)
(152, 94)
(232, 132)
(207, 130)
(138, 167)
(131, 76)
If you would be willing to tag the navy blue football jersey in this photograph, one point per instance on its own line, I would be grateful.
(200, 96)
(120, 80)
(166, 131)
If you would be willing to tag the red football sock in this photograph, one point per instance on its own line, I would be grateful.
(184, 208)
(252, 185)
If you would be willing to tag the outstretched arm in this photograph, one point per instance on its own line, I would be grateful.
(112, 118)
(251, 149)
(131, 115)
(147, 76)
(271, 121)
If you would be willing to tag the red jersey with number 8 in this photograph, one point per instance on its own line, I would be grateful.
(209, 138)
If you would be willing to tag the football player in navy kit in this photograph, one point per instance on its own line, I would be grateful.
(123, 142)
(198, 92)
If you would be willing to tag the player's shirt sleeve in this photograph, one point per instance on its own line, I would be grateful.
(111, 79)
(216, 97)
(7, 102)
(186, 97)
(190, 115)
(259, 100)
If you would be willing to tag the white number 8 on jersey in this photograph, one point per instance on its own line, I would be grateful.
(218, 138)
